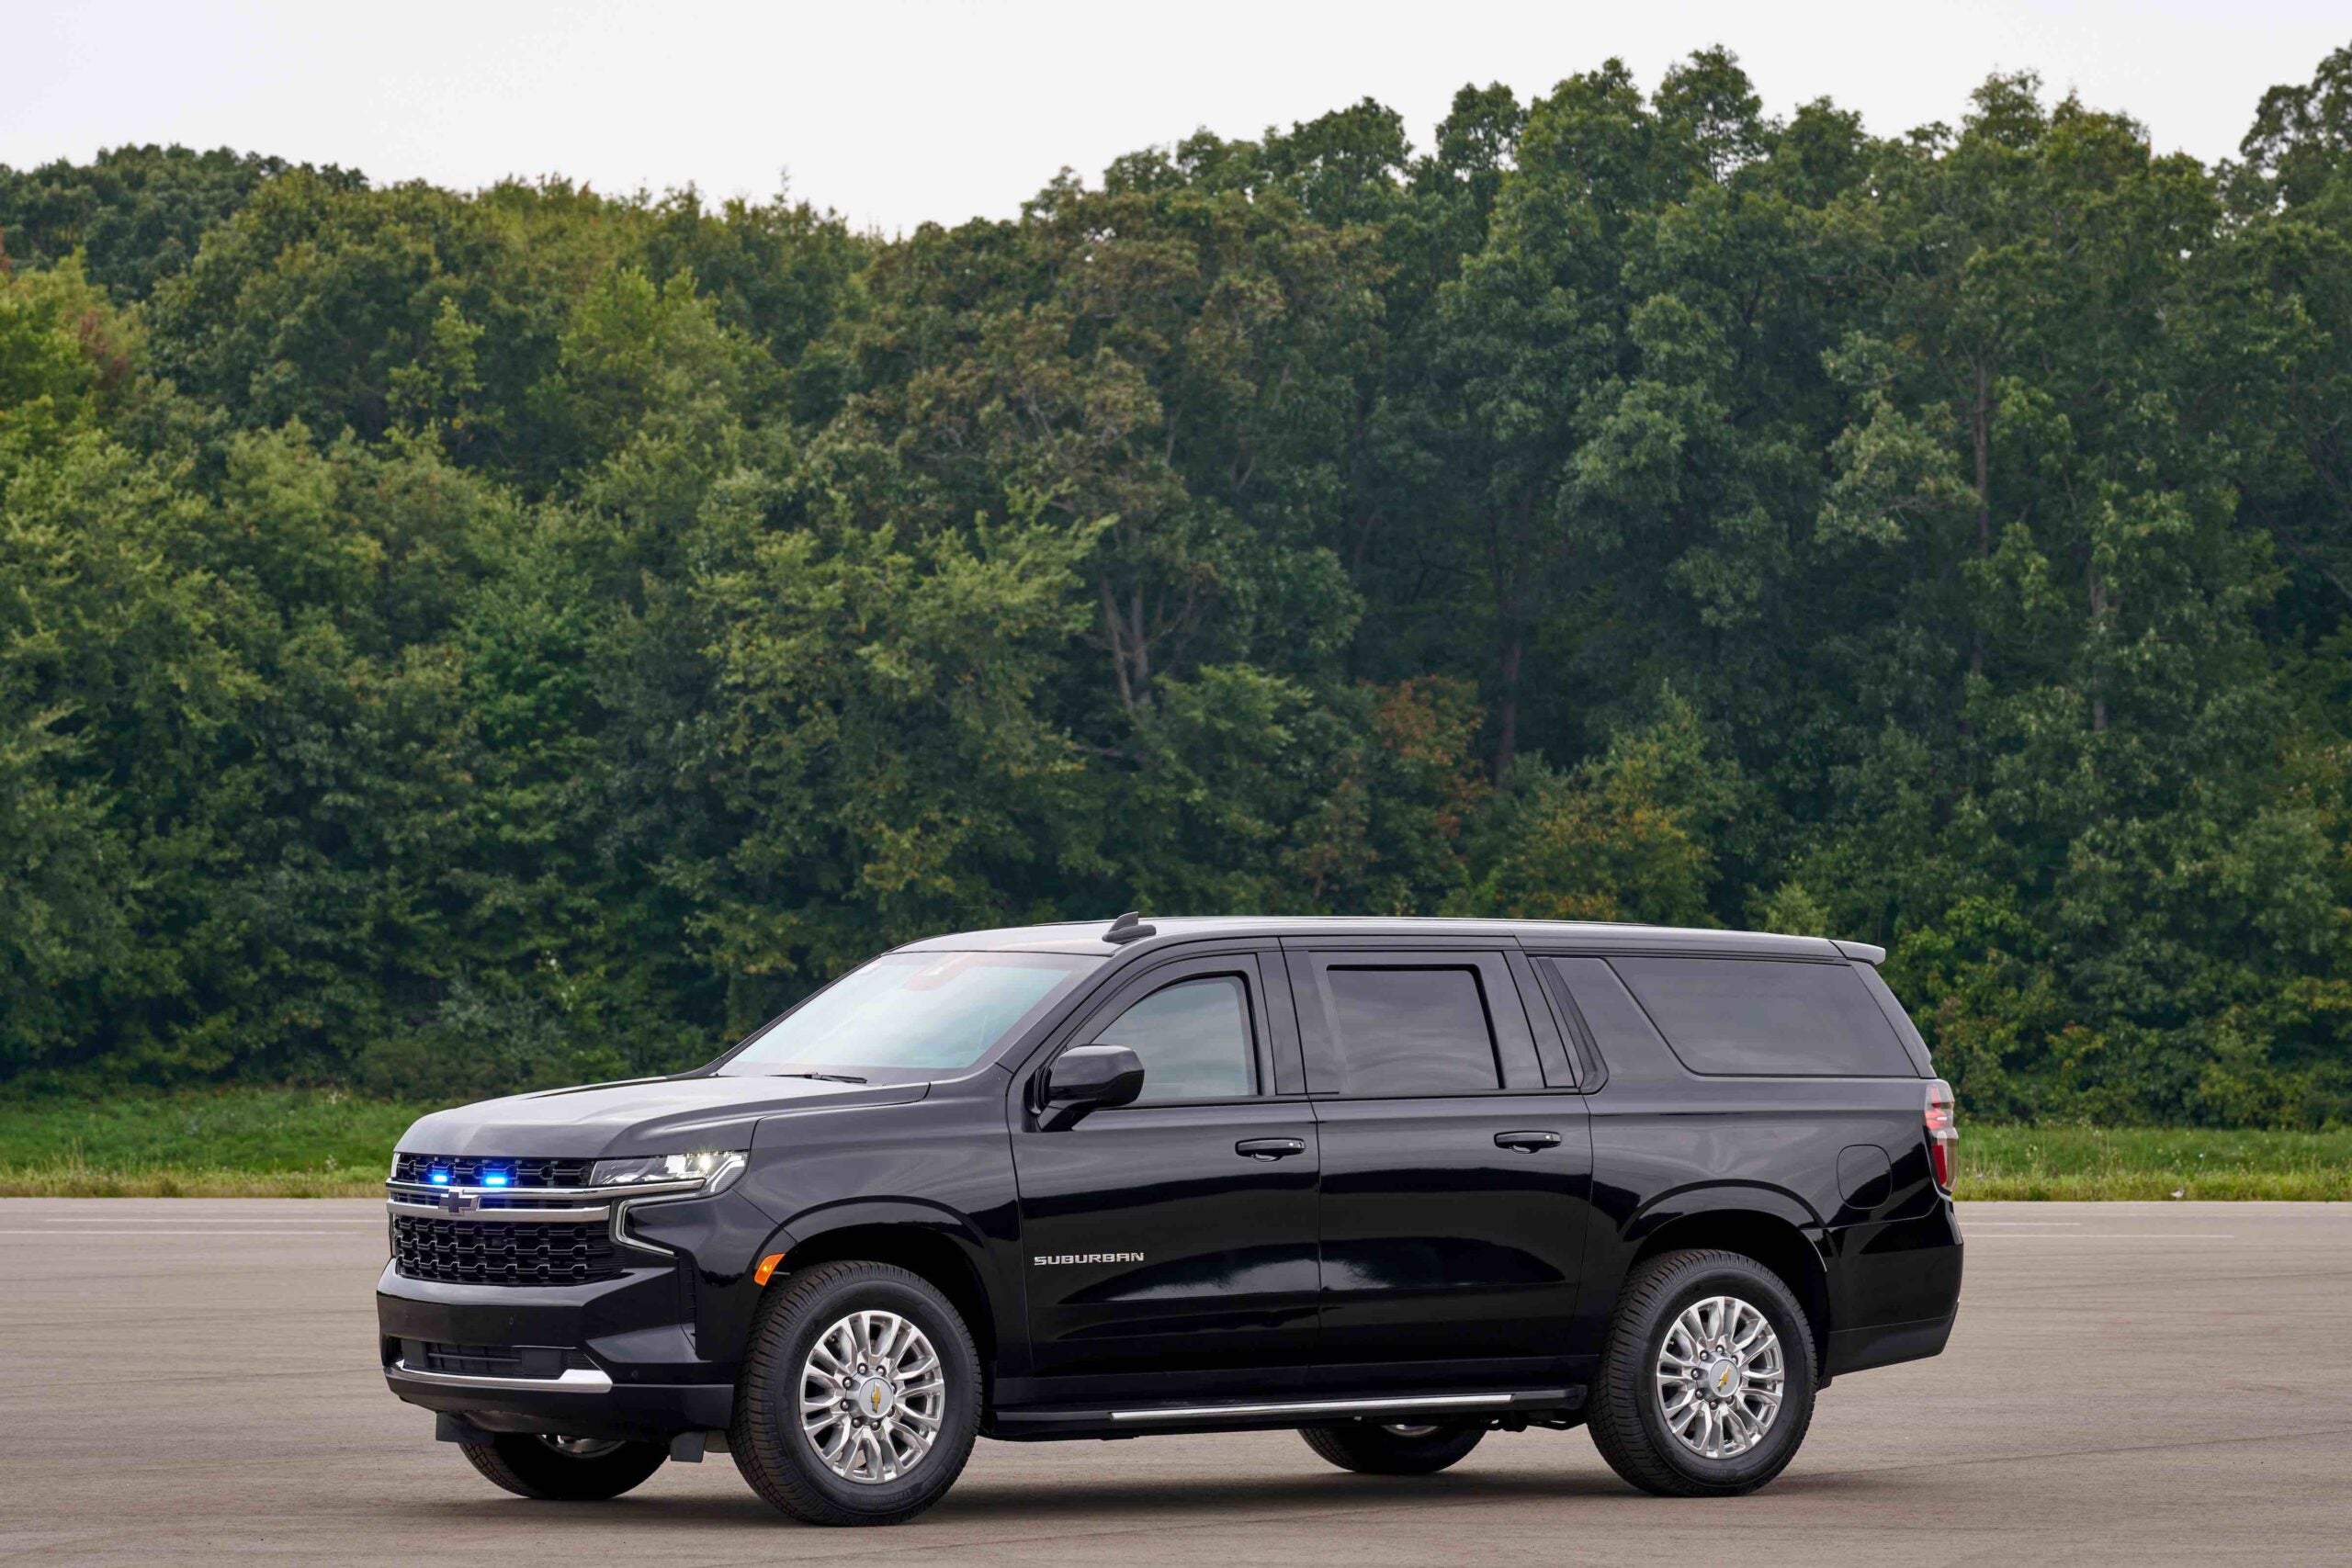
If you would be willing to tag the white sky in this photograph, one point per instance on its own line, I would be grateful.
(899, 111)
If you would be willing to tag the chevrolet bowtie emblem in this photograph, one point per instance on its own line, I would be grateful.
(459, 1202)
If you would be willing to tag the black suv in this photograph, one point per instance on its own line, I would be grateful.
(1394, 1183)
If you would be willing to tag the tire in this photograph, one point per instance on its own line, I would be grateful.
(1629, 1420)
(779, 1456)
(588, 1472)
(1369, 1448)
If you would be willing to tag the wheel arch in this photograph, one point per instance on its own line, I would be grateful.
(1772, 1228)
(935, 1244)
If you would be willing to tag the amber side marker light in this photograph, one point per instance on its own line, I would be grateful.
(766, 1271)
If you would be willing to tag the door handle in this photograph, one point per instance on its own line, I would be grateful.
(1527, 1143)
(1271, 1148)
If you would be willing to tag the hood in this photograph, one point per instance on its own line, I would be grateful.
(647, 1116)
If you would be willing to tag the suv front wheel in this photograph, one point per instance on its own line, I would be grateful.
(1706, 1382)
(860, 1397)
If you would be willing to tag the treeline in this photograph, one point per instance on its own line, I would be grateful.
(457, 641)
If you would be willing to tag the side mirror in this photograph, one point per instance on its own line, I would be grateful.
(1086, 1077)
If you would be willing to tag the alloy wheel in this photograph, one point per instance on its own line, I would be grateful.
(873, 1396)
(1720, 1377)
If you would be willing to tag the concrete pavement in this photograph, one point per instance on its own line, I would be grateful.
(192, 1381)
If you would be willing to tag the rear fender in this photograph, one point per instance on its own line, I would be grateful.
(1770, 1223)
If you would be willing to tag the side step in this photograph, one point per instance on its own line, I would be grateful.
(1135, 1421)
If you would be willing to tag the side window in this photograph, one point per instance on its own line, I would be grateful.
(1194, 1039)
(1622, 1031)
(1766, 1016)
(1411, 1031)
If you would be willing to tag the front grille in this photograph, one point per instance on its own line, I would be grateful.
(494, 1252)
(466, 1171)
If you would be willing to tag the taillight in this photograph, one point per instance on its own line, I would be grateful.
(1943, 1132)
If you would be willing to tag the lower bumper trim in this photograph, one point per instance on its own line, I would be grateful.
(1860, 1349)
(574, 1379)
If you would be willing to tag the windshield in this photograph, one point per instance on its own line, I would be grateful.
(917, 1011)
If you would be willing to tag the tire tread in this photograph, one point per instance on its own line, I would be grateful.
(775, 1473)
(1619, 1384)
(544, 1478)
(1370, 1452)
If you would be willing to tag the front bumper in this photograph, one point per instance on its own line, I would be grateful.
(648, 1354)
(628, 1360)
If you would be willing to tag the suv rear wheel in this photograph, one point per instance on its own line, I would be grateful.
(568, 1469)
(1398, 1449)
(1706, 1382)
(860, 1397)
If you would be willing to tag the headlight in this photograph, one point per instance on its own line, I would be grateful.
(713, 1168)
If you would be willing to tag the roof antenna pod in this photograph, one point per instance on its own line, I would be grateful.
(1127, 928)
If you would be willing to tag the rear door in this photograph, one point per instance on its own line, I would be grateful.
(1176, 1234)
(1456, 1181)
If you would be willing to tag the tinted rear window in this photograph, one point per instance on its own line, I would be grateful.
(1407, 1032)
(1764, 1017)
(1626, 1039)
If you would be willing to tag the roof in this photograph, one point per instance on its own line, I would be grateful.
(1086, 936)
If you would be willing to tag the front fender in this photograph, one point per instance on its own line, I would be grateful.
(808, 1231)
(937, 1170)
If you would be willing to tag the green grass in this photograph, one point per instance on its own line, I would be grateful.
(224, 1144)
(322, 1144)
(2153, 1162)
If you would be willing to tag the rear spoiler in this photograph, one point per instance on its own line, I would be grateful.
(1861, 951)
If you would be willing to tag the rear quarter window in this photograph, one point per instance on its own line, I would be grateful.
(1766, 1016)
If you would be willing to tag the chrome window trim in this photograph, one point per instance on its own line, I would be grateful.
(574, 1379)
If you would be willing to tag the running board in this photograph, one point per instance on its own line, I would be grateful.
(1283, 1412)
(1315, 1407)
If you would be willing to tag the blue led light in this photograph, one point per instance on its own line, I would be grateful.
(438, 1176)
(493, 1178)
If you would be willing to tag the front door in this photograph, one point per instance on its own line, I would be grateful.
(1456, 1183)
(1174, 1237)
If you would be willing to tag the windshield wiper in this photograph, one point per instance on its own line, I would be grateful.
(829, 1077)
